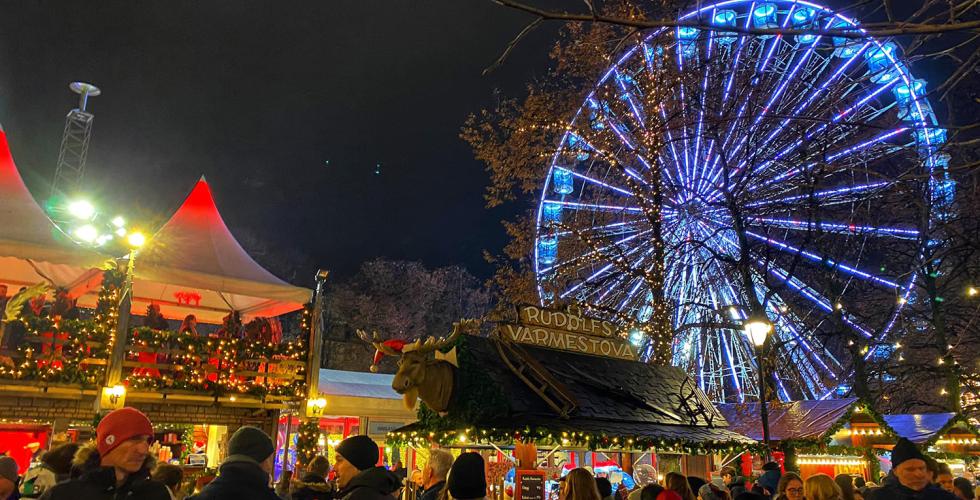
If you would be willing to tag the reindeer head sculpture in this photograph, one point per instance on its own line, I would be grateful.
(420, 376)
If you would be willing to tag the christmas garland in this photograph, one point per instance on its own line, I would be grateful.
(952, 422)
(80, 339)
(192, 358)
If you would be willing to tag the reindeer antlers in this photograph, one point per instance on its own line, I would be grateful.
(432, 344)
(428, 345)
(377, 342)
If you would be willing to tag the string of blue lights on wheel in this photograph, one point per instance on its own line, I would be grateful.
(814, 142)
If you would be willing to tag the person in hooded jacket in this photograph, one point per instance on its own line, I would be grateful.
(770, 478)
(313, 485)
(357, 475)
(910, 478)
(245, 473)
(117, 466)
(468, 480)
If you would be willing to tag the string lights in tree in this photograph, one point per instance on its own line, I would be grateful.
(307, 441)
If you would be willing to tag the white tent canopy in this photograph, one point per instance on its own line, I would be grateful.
(32, 248)
(194, 265)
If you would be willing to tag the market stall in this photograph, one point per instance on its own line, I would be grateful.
(949, 437)
(834, 436)
(352, 403)
(199, 380)
(558, 389)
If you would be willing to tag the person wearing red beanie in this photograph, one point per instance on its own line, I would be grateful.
(116, 465)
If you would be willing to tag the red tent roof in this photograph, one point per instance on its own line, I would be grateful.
(32, 248)
(195, 255)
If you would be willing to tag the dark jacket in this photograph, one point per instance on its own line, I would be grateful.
(433, 492)
(376, 483)
(95, 482)
(893, 490)
(312, 487)
(240, 479)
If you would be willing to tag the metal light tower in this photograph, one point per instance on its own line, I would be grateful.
(74, 143)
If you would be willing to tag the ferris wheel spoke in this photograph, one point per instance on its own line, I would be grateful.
(848, 229)
(825, 260)
(784, 81)
(812, 295)
(844, 194)
(597, 182)
(614, 267)
(780, 311)
(596, 207)
(593, 252)
(621, 228)
(809, 134)
(840, 155)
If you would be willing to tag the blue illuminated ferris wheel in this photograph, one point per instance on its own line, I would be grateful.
(785, 167)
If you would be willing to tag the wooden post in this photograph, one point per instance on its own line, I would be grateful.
(116, 358)
(316, 337)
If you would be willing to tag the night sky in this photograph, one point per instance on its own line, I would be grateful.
(259, 96)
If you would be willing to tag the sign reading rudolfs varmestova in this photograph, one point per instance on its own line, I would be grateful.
(567, 331)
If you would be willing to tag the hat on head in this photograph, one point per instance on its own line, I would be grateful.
(250, 442)
(8, 469)
(711, 492)
(394, 344)
(361, 451)
(467, 477)
(119, 426)
(905, 450)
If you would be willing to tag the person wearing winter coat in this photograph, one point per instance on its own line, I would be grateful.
(8, 478)
(912, 479)
(245, 473)
(435, 473)
(468, 478)
(117, 466)
(313, 485)
(53, 468)
(357, 476)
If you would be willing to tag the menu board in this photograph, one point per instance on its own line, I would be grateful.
(529, 485)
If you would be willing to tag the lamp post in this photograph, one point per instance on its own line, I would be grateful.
(757, 328)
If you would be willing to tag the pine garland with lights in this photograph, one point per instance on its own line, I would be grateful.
(194, 359)
(81, 339)
(307, 436)
(552, 436)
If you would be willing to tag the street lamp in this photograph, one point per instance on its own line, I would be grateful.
(757, 327)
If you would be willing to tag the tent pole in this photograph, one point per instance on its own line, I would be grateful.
(114, 370)
(316, 337)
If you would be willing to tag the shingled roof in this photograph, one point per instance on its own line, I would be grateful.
(612, 396)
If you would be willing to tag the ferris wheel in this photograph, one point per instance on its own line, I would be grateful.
(784, 169)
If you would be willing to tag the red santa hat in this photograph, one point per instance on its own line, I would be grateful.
(396, 344)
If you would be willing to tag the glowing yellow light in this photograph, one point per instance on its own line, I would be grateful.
(972, 291)
(87, 233)
(81, 209)
(136, 239)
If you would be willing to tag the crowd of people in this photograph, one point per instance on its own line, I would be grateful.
(118, 465)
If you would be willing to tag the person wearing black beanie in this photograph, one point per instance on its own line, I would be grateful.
(912, 477)
(357, 475)
(244, 474)
(468, 477)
